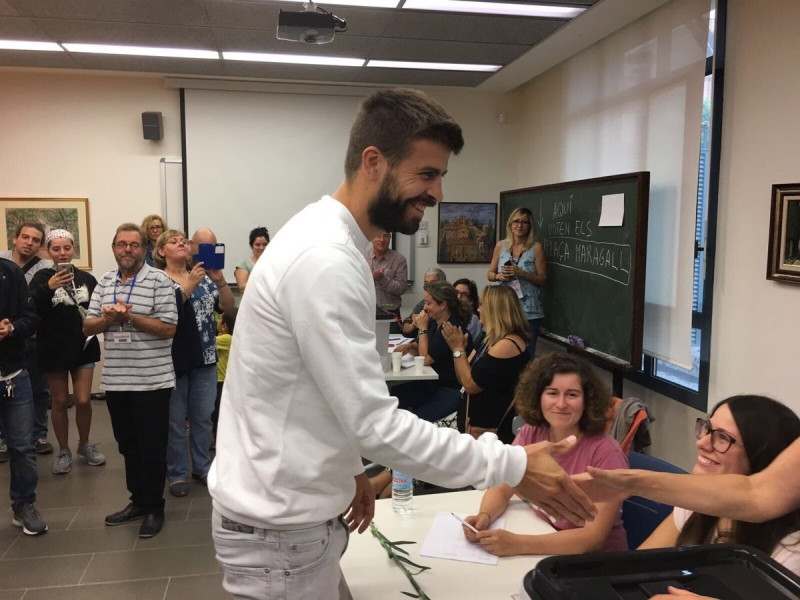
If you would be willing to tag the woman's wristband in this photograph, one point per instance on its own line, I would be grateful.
(421, 331)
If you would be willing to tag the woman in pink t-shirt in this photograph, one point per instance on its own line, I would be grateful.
(557, 396)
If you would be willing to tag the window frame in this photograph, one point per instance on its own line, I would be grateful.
(702, 319)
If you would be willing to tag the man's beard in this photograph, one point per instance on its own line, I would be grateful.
(388, 210)
(135, 264)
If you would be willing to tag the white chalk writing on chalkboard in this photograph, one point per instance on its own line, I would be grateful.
(604, 259)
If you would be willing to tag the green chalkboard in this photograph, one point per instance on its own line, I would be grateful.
(595, 275)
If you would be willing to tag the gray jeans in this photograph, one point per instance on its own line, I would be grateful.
(280, 564)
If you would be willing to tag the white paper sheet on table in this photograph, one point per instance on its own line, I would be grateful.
(446, 540)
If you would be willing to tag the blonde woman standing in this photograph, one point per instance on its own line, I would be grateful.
(519, 262)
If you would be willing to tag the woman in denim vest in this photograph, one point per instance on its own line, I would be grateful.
(519, 262)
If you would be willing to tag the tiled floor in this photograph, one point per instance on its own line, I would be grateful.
(80, 558)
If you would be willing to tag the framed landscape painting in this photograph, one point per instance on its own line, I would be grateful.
(467, 232)
(71, 214)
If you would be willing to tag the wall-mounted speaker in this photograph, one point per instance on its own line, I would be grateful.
(152, 125)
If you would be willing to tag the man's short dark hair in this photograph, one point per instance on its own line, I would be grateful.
(229, 318)
(33, 224)
(391, 119)
(258, 232)
(131, 227)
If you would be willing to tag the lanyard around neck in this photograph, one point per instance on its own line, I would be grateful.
(130, 290)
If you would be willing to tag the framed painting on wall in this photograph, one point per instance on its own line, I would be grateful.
(467, 232)
(71, 214)
(783, 257)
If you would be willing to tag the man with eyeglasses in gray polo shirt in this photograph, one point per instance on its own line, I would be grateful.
(134, 308)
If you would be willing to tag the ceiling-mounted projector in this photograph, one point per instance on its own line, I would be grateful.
(313, 25)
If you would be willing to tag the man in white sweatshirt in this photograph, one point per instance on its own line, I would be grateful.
(305, 396)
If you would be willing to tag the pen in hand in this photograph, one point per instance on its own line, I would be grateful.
(464, 523)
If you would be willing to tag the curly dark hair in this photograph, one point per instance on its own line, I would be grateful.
(539, 374)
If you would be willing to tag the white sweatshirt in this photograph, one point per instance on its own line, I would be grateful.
(305, 396)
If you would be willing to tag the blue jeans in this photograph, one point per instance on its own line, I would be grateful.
(426, 399)
(16, 418)
(41, 391)
(534, 324)
(193, 399)
(272, 564)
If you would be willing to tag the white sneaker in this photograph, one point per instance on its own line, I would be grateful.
(63, 462)
(92, 455)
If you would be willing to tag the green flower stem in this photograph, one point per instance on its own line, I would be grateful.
(396, 553)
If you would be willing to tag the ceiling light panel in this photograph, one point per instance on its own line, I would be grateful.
(431, 66)
(364, 3)
(25, 45)
(294, 59)
(143, 51)
(497, 8)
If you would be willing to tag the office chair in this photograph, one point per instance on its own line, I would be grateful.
(640, 515)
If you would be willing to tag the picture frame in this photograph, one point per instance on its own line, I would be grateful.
(467, 232)
(71, 214)
(783, 257)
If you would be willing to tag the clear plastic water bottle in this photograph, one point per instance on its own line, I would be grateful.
(402, 493)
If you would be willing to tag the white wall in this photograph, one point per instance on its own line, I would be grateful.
(80, 136)
(755, 326)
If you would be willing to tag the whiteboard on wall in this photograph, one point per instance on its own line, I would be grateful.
(172, 192)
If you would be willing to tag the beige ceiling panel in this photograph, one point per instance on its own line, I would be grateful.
(468, 28)
(89, 32)
(438, 51)
(176, 12)
(18, 28)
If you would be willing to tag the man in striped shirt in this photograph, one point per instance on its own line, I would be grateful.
(134, 308)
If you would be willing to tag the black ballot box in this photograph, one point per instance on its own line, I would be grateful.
(723, 571)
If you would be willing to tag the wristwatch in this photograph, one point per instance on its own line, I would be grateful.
(458, 353)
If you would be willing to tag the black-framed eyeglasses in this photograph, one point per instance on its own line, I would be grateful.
(524, 222)
(124, 245)
(721, 440)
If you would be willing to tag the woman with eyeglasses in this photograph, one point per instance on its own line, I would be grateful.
(743, 435)
(153, 226)
(519, 262)
(199, 292)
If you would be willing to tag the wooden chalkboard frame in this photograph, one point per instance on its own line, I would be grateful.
(641, 182)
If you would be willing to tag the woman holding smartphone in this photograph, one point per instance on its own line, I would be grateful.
(519, 262)
(61, 296)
